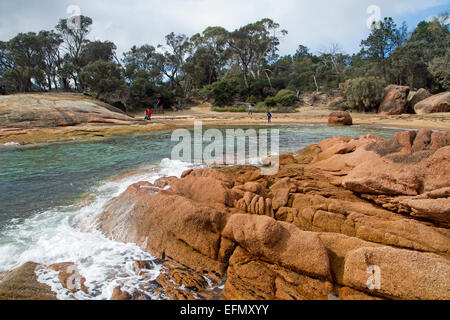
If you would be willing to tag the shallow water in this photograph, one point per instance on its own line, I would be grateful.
(46, 191)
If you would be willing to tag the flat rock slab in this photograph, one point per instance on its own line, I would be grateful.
(55, 110)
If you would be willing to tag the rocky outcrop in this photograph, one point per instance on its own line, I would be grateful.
(437, 103)
(340, 118)
(312, 231)
(395, 100)
(175, 282)
(22, 284)
(56, 110)
(417, 97)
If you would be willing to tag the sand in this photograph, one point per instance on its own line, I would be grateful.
(185, 119)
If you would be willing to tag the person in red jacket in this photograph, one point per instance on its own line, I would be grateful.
(148, 114)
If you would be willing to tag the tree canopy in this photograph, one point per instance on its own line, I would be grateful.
(224, 65)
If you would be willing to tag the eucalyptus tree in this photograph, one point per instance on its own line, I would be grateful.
(141, 62)
(75, 41)
(103, 77)
(21, 61)
(211, 55)
(172, 58)
(50, 44)
(98, 50)
(256, 45)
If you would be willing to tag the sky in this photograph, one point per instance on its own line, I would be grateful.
(314, 23)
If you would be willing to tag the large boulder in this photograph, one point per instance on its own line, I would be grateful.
(395, 100)
(434, 104)
(55, 110)
(397, 173)
(389, 172)
(416, 97)
(340, 118)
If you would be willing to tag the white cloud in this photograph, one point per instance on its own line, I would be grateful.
(312, 23)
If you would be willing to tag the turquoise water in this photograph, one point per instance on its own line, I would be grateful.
(35, 179)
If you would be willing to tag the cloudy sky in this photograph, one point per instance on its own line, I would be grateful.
(314, 23)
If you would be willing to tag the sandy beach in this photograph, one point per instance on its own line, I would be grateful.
(186, 118)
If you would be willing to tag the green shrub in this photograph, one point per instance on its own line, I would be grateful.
(270, 102)
(221, 91)
(285, 97)
(339, 105)
(258, 88)
(231, 109)
(364, 94)
(252, 99)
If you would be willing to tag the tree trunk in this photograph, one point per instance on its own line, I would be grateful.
(268, 78)
(245, 76)
(315, 82)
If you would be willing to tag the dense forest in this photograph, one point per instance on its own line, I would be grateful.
(224, 66)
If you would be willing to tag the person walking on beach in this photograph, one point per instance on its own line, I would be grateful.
(148, 114)
(269, 117)
(250, 110)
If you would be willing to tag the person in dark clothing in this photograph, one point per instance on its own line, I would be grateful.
(269, 117)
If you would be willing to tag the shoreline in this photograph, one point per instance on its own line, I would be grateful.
(186, 119)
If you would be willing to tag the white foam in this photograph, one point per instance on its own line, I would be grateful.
(11, 144)
(53, 237)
